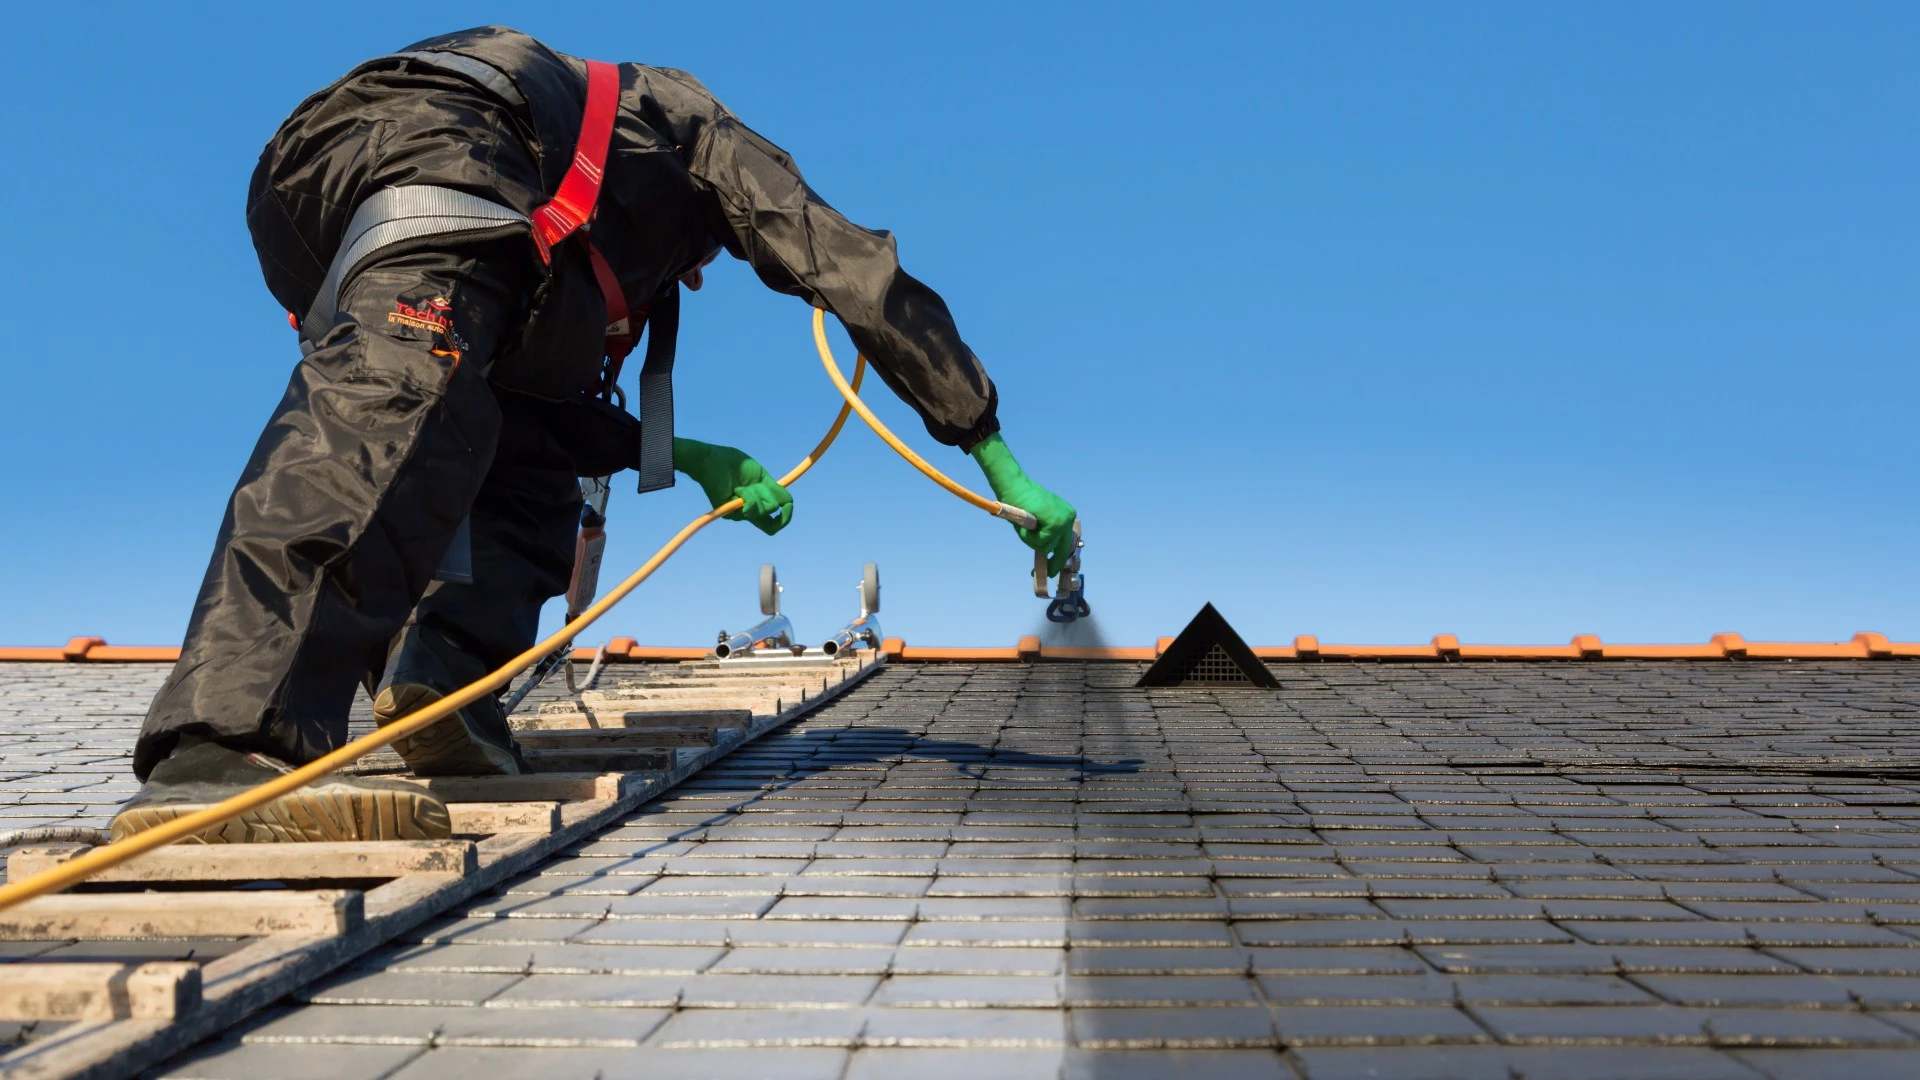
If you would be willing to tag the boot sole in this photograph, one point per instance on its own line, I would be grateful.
(445, 747)
(330, 812)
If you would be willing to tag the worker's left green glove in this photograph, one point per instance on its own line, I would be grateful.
(725, 473)
(1012, 485)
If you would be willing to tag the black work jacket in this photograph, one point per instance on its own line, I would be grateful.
(684, 176)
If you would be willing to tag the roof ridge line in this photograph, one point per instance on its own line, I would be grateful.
(1306, 647)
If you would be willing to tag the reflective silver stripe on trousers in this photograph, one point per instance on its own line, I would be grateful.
(389, 216)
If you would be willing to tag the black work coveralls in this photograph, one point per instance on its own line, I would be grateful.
(446, 380)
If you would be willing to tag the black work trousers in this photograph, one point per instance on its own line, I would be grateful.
(322, 579)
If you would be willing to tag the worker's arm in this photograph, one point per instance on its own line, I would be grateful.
(766, 215)
(799, 245)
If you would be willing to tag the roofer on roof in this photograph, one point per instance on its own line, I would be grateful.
(424, 217)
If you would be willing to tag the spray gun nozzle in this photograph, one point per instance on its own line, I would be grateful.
(1070, 607)
(1069, 591)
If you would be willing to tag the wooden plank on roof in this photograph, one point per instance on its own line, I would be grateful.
(625, 759)
(710, 719)
(480, 818)
(182, 914)
(552, 785)
(757, 699)
(591, 739)
(329, 861)
(92, 992)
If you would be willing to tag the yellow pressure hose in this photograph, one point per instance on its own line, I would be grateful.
(82, 867)
(1000, 510)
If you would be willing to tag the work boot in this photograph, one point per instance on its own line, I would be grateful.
(335, 808)
(454, 746)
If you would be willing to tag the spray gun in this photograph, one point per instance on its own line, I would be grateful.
(773, 632)
(865, 630)
(1069, 595)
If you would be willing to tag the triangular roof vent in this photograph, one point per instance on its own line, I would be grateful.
(1208, 653)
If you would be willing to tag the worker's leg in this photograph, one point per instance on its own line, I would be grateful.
(349, 502)
(524, 525)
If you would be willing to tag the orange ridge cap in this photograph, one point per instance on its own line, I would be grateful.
(1662, 652)
(1379, 652)
(78, 648)
(1903, 648)
(1806, 650)
(1519, 652)
(36, 653)
(658, 653)
(133, 654)
(1097, 652)
(1877, 645)
(626, 650)
(934, 652)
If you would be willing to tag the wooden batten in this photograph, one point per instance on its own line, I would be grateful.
(756, 701)
(485, 819)
(267, 862)
(615, 738)
(711, 719)
(93, 992)
(717, 675)
(634, 759)
(182, 914)
(550, 785)
(693, 696)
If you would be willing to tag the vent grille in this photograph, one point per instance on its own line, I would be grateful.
(1208, 653)
(1215, 666)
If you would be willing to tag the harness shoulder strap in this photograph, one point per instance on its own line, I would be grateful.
(572, 205)
(570, 209)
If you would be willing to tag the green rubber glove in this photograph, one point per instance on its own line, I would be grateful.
(1011, 485)
(724, 473)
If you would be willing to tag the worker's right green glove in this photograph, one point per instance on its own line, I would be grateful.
(724, 473)
(1011, 485)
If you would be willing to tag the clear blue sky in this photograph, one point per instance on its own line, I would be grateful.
(1365, 320)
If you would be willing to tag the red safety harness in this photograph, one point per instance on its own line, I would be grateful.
(572, 208)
